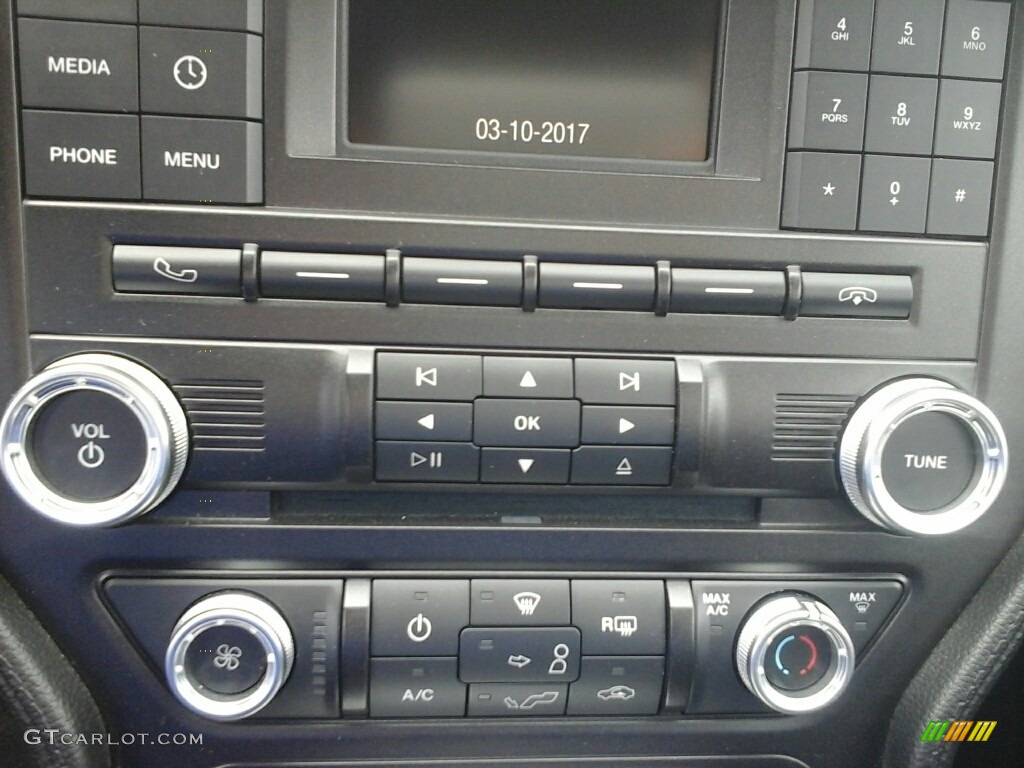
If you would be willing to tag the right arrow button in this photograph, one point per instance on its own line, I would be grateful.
(622, 425)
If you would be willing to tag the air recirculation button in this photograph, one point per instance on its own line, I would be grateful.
(919, 456)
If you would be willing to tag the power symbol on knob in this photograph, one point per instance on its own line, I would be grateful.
(91, 455)
(419, 628)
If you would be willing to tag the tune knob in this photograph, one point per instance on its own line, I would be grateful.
(920, 456)
(229, 655)
(794, 654)
(94, 440)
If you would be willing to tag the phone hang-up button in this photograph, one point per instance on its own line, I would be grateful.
(159, 269)
(833, 294)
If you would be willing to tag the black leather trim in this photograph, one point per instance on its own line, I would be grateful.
(39, 689)
(962, 669)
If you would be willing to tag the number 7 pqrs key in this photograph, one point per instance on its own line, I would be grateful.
(828, 111)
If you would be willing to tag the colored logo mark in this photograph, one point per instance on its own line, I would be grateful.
(958, 730)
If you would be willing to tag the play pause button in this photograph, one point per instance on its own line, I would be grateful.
(543, 467)
(427, 462)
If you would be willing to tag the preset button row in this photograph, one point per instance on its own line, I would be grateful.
(362, 277)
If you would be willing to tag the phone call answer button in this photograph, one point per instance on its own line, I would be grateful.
(163, 269)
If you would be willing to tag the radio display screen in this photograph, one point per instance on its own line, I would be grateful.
(591, 78)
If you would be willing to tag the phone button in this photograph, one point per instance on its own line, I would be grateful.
(161, 269)
(834, 294)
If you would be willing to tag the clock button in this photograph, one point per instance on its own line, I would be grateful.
(201, 72)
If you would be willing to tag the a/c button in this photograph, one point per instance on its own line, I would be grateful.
(416, 688)
(202, 161)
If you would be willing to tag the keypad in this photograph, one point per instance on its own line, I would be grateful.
(885, 95)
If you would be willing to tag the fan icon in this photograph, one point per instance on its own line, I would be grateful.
(227, 657)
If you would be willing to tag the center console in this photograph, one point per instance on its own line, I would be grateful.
(582, 379)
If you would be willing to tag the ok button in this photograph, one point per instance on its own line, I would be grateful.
(527, 423)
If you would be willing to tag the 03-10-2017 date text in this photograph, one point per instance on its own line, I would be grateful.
(527, 131)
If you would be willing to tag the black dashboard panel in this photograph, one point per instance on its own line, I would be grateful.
(335, 439)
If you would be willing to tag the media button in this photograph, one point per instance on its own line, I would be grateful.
(202, 161)
(70, 154)
(527, 423)
(410, 376)
(418, 617)
(519, 602)
(72, 65)
(198, 72)
(537, 466)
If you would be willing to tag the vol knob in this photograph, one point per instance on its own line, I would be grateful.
(919, 456)
(794, 654)
(94, 440)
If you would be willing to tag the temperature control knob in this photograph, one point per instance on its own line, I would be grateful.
(794, 654)
(229, 655)
(919, 456)
(94, 440)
